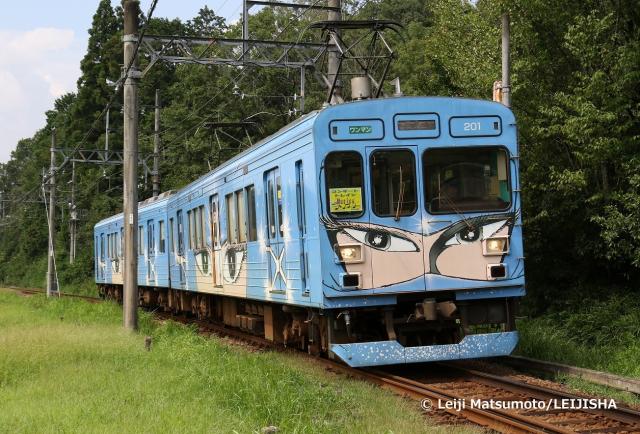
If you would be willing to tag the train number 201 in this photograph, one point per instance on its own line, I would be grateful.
(472, 126)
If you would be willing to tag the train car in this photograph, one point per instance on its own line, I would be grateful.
(379, 232)
(152, 252)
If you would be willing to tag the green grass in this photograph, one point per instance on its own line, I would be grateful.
(600, 335)
(68, 366)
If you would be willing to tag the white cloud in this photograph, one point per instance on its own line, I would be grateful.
(36, 67)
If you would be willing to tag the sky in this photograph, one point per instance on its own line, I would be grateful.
(41, 45)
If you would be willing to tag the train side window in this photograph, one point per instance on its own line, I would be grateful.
(271, 214)
(101, 247)
(203, 222)
(151, 239)
(344, 183)
(180, 222)
(140, 240)
(232, 222)
(120, 241)
(172, 244)
(302, 227)
(108, 244)
(279, 198)
(215, 225)
(241, 209)
(393, 183)
(251, 213)
(190, 229)
(161, 236)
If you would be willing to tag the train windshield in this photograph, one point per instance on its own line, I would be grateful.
(344, 184)
(458, 180)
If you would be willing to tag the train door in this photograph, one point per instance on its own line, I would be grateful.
(151, 251)
(302, 223)
(180, 257)
(275, 232)
(396, 218)
(102, 259)
(216, 251)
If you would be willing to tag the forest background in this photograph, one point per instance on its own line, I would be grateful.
(575, 81)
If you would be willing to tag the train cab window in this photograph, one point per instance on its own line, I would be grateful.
(462, 180)
(393, 183)
(344, 183)
(180, 224)
(161, 237)
(252, 230)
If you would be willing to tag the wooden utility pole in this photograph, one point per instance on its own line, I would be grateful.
(156, 148)
(51, 265)
(506, 83)
(73, 216)
(130, 190)
(333, 61)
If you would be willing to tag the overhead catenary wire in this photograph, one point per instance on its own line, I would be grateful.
(234, 80)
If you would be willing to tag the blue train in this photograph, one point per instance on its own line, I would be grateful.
(379, 232)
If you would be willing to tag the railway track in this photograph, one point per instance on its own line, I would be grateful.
(560, 411)
(32, 291)
(436, 385)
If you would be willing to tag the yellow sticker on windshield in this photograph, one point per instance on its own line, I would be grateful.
(345, 200)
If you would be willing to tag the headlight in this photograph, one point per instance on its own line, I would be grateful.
(349, 253)
(496, 246)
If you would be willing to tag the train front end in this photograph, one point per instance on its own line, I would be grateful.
(420, 229)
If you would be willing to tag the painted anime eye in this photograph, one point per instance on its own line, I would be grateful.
(382, 240)
(471, 234)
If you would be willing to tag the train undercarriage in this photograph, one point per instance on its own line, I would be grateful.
(414, 322)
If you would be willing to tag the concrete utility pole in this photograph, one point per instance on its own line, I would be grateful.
(156, 148)
(51, 273)
(130, 200)
(245, 29)
(73, 214)
(506, 83)
(333, 60)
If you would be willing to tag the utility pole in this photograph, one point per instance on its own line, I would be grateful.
(130, 188)
(156, 148)
(51, 273)
(506, 83)
(245, 29)
(73, 214)
(333, 62)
